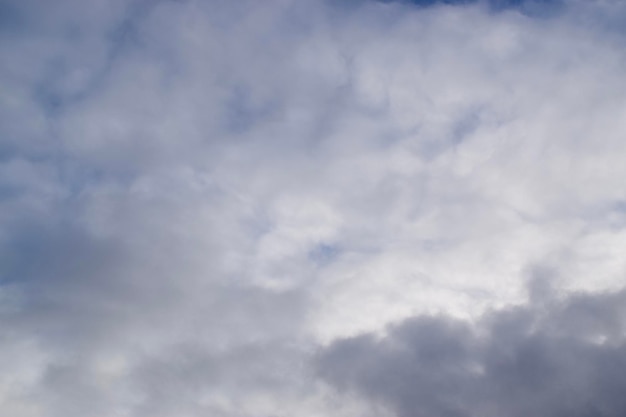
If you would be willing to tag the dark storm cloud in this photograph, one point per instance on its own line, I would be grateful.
(551, 357)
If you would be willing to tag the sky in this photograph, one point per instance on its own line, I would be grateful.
(305, 208)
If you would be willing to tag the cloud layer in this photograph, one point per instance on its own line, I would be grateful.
(206, 205)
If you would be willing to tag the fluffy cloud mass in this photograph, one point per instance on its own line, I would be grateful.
(549, 358)
(312, 207)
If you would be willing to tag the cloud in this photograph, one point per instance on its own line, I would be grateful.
(196, 195)
(554, 357)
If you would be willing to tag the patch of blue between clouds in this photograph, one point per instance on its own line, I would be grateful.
(49, 93)
(10, 18)
(241, 113)
(535, 8)
(324, 253)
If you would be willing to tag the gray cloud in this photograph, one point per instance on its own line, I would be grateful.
(555, 357)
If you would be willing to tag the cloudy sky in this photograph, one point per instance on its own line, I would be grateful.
(312, 208)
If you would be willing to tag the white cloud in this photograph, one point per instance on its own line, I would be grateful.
(195, 195)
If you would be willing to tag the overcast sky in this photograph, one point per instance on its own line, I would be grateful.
(307, 208)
